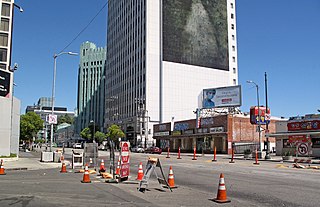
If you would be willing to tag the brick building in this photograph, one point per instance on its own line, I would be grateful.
(221, 131)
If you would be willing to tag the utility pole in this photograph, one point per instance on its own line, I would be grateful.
(267, 121)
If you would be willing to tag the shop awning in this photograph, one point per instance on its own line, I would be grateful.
(281, 134)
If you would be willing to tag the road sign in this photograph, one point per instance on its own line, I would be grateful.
(52, 119)
(303, 148)
(125, 159)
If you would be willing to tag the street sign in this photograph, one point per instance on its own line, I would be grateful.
(53, 119)
(125, 159)
(302, 148)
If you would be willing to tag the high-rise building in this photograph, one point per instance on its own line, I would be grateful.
(91, 105)
(161, 54)
(9, 105)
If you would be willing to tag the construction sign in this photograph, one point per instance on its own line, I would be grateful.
(125, 159)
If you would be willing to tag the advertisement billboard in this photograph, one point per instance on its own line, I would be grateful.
(196, 33)
(222, 97)
(4, 83)
(264, 116)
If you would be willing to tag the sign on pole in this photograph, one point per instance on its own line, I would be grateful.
(125, 159)
(52, 119)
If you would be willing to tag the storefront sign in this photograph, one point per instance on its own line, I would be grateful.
(304, 125)
(299, 138)
(176, 133)
(161, 133)
(190, 131)
(216, 129)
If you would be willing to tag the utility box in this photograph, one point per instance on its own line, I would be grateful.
(46, 156)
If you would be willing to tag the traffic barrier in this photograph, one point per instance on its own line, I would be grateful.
(118, 167)
(168, 153)
(86, 176)
(194, 154)
(232, 156)
(171, 178)
(140, 172)
(102, 167)
(222, 191)
(214, 155)
(256, 158)
(2, 168)
(296, 160)
(179, 157)
(63, 167)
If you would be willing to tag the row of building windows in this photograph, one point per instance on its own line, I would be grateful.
(234, 70)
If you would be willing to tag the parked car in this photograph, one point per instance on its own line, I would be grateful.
(137, 149)
(77, 146)
(154, 150)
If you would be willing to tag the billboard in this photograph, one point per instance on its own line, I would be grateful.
(4, 83)
(264, 115)
(221, 97)
(195, 32)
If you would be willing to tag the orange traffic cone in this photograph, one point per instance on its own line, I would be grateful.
(2, 168)
(222, 191)
(171, 178)
(140, 172)
(118, 167)
(63, 167)
(86, 176)
(102, 168)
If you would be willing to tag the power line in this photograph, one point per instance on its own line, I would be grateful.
(85, 26)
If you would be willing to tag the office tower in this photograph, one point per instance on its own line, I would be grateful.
(161, 54)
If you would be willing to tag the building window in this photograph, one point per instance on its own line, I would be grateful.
(234, 82)
(3, 40)
(233, 38)
(5, 10)
(4, 24)
(3, 66)
(3, 55)
(315, 142)
(231, 5)
(233, 48)
(234, 59)
(234, 70)
(232, 26)
(232, 16)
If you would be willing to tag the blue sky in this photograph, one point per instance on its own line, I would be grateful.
(280, 37)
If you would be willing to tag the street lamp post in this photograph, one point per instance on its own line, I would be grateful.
(53, 89)
(259, 118)
(94, 143)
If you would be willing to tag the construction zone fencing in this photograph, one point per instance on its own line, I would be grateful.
(240, 148)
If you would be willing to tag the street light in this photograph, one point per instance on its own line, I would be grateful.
(259, 120)
(53, 89)
(92, 122)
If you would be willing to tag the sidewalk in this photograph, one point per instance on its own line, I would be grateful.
(28, 161)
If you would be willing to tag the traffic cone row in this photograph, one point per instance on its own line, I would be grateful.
(140, 172)
(86, 176)
(2, 168)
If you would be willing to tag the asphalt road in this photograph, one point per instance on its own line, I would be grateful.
(267, 184)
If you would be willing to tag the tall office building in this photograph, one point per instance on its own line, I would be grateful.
(161, 54)
(9, 105)
(91, 86)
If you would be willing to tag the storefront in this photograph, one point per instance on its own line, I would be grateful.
(301, 137)
(218, 131)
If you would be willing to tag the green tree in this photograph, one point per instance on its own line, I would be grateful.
(30, 124)
(65, 119)
(85, 133)
(114, 132)
(100, 137)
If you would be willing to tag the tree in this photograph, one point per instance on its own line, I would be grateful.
(30, 124)
(100, 137)
(114, 132)
(86, 133)
(65, 119)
